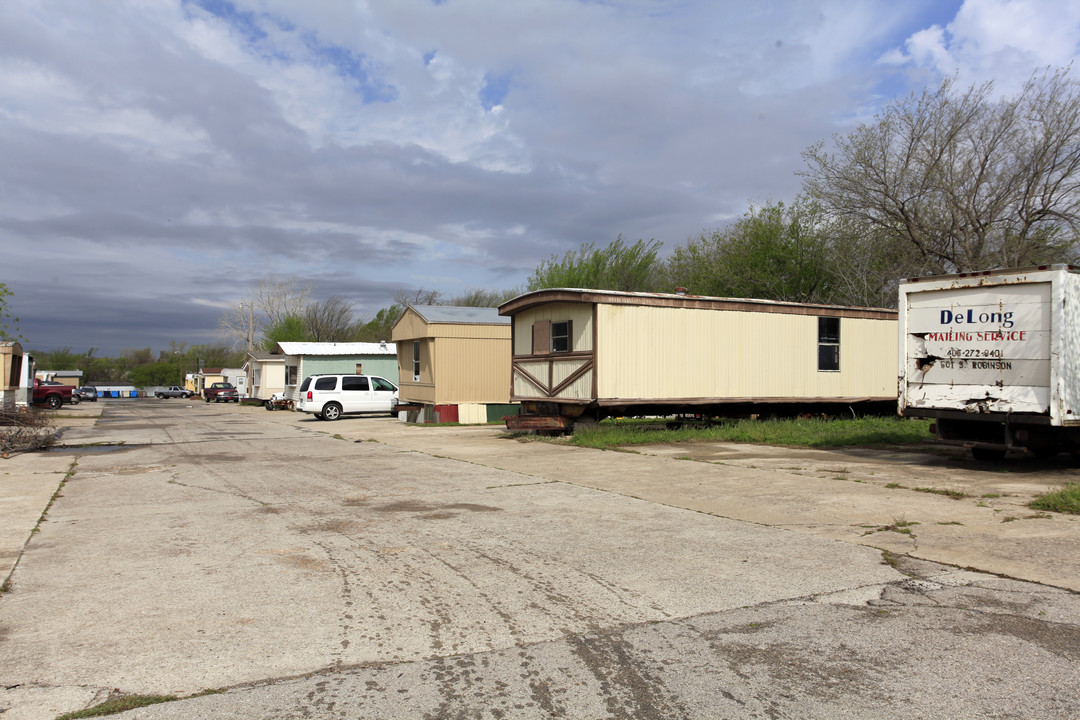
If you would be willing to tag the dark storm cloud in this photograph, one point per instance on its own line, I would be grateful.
(159, 159)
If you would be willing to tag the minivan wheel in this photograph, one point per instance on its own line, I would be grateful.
(332, 411)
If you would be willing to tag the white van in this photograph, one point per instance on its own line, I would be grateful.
(328, 397)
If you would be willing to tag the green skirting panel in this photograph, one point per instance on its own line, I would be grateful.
(496, 413)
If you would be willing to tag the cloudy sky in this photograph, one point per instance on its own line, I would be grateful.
(159, 157)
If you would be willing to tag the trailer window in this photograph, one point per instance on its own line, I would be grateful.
(560, 336)
(828, 344)
(290, 374)
(416, 361)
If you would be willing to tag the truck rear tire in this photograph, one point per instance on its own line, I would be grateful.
(53, 402)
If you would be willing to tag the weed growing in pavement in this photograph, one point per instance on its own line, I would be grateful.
(893, 485)
(795, 432)
(1009, 518)
(118, 704)
(951, 522)
(901, 526)
(1065, 500)
(954, 494)
(990, 496)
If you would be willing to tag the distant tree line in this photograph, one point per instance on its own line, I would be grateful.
(140, 367)
(948, 180)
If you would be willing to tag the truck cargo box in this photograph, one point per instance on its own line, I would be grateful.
(994, 357)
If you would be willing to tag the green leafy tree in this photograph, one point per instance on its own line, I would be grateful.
(380, 327)
(289, 329)
(630, 268)
(153, 374)
(774, 252)
(9, 324)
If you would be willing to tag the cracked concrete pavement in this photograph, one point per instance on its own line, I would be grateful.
(368, 569)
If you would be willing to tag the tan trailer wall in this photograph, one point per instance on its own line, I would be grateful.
(656, 352)
(579, 313)
(408, 389)
(472, 370)
(410, 327)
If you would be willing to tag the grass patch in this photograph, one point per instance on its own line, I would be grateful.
(898, 526)
(811, 432)
(991, 496)
(1065, 500)
(118, 705)
(893, 485)
(954, 494)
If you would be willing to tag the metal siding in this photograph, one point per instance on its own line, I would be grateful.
(472, 370)
(472, 414)
(538, 370)
(416, 391)
(579, 313)
(657, 352)
(579, 389)
(409, 327)
(470, 332)
(986, 342)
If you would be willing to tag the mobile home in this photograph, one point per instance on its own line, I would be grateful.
(597, 353)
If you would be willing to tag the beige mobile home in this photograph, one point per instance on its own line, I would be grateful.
(598, 353)
(454, 364)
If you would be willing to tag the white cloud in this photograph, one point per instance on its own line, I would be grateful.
(1000, 40)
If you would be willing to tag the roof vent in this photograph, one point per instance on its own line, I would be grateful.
(680, 291)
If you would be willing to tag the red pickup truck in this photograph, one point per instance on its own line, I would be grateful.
(52, 394)
(221, 392)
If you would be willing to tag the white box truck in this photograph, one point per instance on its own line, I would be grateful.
(994, 358)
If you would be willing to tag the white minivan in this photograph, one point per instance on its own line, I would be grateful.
(328, 397)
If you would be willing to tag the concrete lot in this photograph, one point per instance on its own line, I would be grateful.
(368, 569)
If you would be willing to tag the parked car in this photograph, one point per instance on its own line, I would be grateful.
(328, 397)
(228, 394)
(87, 392)
(211, 392)
(173, 392)
(53, 394)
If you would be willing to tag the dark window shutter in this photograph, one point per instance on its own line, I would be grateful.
(541, 344)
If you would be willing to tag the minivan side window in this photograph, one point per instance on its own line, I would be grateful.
(307, 381)
(354, 383)
(382, 384)
(326, 383)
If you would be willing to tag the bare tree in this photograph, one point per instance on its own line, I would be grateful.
(331, 320)
(403, 299)
(484, 298)
(272, 300)
(971, 182)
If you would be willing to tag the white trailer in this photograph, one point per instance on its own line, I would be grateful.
(994, 358)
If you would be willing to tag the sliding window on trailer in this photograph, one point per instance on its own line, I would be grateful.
(828, 344)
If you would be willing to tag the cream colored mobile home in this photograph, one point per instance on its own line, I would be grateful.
(598, 353)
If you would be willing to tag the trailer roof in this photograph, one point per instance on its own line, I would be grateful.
(991, 273)
(679, 300)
